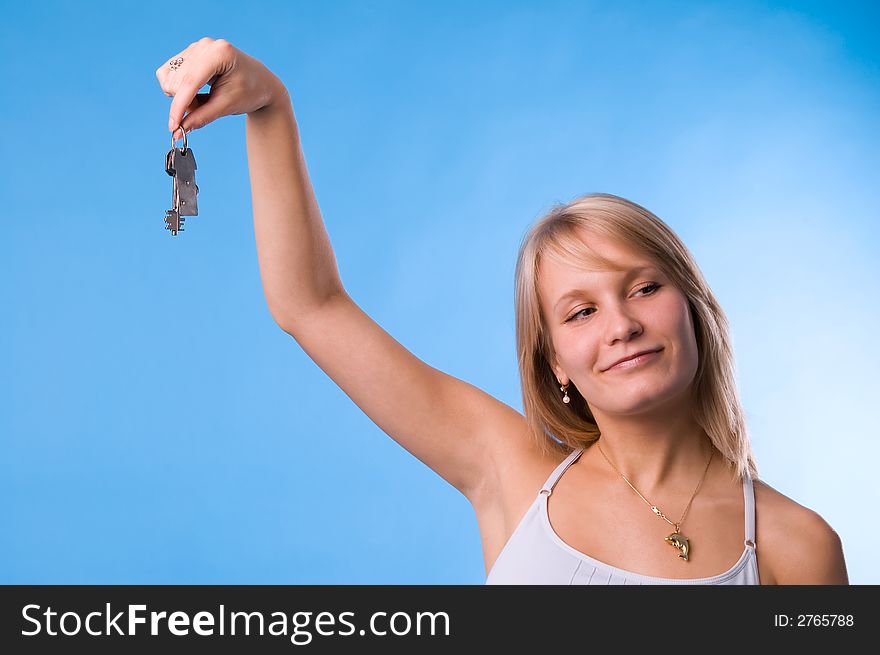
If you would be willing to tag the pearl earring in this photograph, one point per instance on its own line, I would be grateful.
(565, 398)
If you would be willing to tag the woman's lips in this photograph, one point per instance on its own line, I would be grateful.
(635, 361)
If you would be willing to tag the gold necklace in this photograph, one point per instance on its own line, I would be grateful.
(675, 539)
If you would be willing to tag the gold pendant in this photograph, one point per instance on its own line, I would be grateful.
(679, 541)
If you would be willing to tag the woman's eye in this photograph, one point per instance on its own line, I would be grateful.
(648, 288)
(578, 313)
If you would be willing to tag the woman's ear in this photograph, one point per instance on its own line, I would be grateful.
(560, 374)
(555, 367)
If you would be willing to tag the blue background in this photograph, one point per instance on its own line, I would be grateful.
(156, 426)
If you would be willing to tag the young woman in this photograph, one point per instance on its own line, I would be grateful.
(632, 464)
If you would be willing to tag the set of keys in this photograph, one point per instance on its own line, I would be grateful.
(180, 164)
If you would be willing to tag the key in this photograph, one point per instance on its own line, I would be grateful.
(174, 222)
(180, 164)
(183, 166)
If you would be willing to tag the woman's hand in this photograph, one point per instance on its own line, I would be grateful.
(239, 84)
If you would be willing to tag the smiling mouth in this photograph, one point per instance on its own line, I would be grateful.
(637, 360)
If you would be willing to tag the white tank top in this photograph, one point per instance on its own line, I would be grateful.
(535, 554)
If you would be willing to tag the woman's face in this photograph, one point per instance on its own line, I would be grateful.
(615, 314)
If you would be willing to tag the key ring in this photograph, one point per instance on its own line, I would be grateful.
(182, 129)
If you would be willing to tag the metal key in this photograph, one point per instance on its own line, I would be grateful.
(180, 164)
(173, 222)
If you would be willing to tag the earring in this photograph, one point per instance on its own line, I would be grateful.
(565, 398)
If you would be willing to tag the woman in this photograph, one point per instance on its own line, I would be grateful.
(633, 425)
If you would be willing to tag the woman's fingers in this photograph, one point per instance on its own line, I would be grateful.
(169, 73)
(239, 84)
(185, 96)
(193, 118)
(203, 62)
(198, 101)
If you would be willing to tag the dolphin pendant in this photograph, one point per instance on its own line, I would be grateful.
(679, 541)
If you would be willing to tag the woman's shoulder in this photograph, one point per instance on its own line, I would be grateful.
(795, 545)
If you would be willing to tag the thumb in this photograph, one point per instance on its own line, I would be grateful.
(198, 114)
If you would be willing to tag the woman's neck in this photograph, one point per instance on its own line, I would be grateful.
(654, 452)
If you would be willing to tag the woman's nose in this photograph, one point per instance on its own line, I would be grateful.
(622, 325)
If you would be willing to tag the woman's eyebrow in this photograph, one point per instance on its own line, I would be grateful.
(628, 274)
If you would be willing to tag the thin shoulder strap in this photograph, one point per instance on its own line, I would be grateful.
(749, 496)
(559, 470)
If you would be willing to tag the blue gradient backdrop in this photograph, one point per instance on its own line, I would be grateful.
(156, 426)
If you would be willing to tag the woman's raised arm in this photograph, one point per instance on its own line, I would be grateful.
(453, 427)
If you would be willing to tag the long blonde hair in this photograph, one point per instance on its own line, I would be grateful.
(560, 427)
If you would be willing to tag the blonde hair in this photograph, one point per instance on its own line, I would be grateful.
(560, 427)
